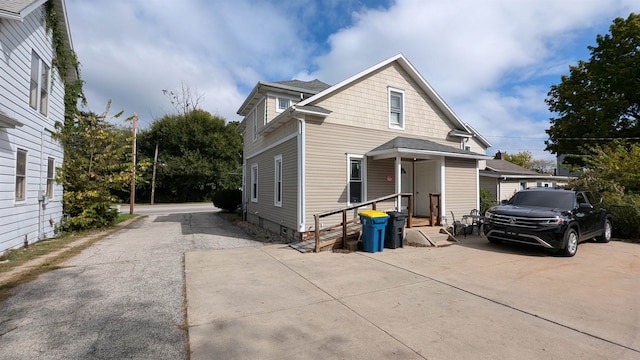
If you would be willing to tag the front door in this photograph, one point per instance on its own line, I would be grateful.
(406, 182)
(426, 182)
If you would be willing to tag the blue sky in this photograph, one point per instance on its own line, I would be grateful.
(492, 61)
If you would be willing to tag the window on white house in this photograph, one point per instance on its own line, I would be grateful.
(282, 104)
(39, 85)
(254, 118)
(21, 174)
(396, 109)
(50, 177)
(356, 179)
(277, 191)
(254, 182)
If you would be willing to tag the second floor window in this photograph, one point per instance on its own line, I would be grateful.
(282, 104)
(39, 85)
(396, 109)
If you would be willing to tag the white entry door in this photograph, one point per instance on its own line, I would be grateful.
(426, 181)
(406, 182)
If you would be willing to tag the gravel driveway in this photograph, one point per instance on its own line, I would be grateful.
(122, 298)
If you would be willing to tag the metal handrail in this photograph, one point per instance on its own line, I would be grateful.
(359, 205)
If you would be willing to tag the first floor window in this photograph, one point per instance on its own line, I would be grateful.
(254, 182)
(21, 174)
(278, 181)
(356, 179)
(50, 176)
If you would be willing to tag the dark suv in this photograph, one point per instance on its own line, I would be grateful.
(552, 218)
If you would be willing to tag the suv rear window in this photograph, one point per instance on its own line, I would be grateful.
(547, 199)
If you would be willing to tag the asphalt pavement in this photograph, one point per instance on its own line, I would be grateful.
(122, 298)
(180, 285)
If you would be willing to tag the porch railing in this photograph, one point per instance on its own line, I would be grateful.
(344, 224)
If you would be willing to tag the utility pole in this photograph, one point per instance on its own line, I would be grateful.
(153, 178)
(132, 197)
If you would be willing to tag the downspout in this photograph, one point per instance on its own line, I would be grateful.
(40, 193)
(301, 175)
(398, 182)
(443, 193)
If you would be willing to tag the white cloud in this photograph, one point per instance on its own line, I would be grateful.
(491, 61)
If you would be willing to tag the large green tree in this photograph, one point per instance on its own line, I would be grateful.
(600, 98)
(198, 154)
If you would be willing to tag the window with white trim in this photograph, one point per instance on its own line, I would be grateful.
(356, 177)
(523, 185)
(254, 118)
(277, 191)
(39, 85)
(396, 109)
(254, 182)
(50, 177)
(21, 174)
(282, 104)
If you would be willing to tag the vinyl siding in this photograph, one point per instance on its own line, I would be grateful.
(23, 218)
(460, 187)
(490, 184)
(285, 215)
(364, 104)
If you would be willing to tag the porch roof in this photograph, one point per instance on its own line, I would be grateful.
(420, 149)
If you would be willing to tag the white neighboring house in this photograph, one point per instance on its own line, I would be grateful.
(31, 102)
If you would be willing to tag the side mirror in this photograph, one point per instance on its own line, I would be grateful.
(585, 206)
(504, 202)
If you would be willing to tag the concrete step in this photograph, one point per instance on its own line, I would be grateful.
(428, 237)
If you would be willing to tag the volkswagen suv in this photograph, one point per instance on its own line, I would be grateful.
(555, 219)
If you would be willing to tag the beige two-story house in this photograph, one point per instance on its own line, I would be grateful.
(310, 147)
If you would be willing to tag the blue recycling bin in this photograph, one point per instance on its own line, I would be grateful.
(373, 226)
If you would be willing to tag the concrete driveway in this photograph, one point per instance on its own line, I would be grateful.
(470, 301)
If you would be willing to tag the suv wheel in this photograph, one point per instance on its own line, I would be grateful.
(571, 240)
(606, 232)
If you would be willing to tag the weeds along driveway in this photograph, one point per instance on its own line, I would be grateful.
(121, 298)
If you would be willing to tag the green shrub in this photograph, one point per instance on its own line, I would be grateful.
(626, 217)
(227, 199)
(486, 200)
(95, 216)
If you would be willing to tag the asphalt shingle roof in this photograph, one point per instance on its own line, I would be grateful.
(419, 144)
(314, 86)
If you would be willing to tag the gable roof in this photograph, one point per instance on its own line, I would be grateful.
(415, 75)
(498, 168)
(18, 10)
(411, 147)
(293, 87)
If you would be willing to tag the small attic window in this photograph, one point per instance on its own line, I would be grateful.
(282, 104)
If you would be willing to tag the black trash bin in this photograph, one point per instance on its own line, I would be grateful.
(394, 233)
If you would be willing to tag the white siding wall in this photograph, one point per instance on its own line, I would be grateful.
(28, 218)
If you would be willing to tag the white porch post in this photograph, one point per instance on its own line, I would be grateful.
(398, 182)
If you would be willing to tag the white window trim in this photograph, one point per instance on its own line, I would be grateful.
(364, 177)
(402, 110)
(277, 185)
(41, 106)
(278, 108)
(23, 199)
(50, 187)
(254, 183)
(254, 119)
